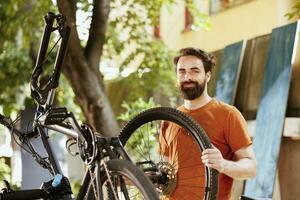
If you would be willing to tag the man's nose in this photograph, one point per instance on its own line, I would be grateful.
(187, 77)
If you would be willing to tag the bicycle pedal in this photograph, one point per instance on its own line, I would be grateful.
(56, 116)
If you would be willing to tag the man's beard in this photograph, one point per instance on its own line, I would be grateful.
(192, 93)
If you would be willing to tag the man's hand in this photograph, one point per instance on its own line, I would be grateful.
(244, 165)
(213, 158)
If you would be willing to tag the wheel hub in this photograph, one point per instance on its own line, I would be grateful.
(168, 180)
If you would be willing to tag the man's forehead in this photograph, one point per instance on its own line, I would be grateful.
(185, 67)
(190, 63)
(190, 59)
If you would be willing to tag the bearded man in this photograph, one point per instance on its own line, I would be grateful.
(232, 154)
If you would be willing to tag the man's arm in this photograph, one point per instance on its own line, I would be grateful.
(243, 167)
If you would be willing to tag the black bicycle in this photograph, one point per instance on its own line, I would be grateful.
(110, 173)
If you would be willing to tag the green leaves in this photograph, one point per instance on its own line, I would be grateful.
(4, 170)
(5, 174)
(129, 43)
(139, 140)
(295, 11)
(135, 108)
(200, 19)
(21, 25)
(15, 66)
(19, 20)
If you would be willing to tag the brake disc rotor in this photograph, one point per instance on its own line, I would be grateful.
(168, 180)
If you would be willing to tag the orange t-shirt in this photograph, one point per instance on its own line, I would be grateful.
(227, 130)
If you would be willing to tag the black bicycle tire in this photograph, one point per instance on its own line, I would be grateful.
(134, 174)
(176, 116)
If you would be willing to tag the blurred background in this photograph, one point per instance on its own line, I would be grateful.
(119, 62)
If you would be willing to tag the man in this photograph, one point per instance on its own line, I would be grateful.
(232, 154)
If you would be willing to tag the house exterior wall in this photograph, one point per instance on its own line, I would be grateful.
(246, 21)
(252, 21)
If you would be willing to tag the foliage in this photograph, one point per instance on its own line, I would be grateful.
(200, 19)
(5, 174)
(154, 75)
(130, 30)
(129, 43)
(75, 185)
(20, 31)
(295, 11)
(144, 137)
(134, 108)
(4, 170)
(66, 97)
(14, 65)
(19, 18)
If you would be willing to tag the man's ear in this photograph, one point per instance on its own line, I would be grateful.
(208, 76)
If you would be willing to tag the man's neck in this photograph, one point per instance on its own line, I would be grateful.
(197, 103)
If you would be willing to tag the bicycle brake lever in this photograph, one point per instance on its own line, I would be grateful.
(5, 121)
(2, 118)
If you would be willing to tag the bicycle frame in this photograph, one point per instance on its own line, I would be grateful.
(44, 96)
(103, 143)
(94, 149)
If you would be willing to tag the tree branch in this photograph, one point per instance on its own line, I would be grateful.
(68, 9)
(93, 50)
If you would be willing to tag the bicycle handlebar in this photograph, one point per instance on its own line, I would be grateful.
(40, 93)
(24, 194)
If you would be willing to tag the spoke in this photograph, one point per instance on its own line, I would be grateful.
(188, 192)
(190, 166)
(109, 179)
(124, 188)
(161, 157)
(192, 186)
(141, 151)
(187, 178)
(182, 197)
(93, 183)
(148, 143)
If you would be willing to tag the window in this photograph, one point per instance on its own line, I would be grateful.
(220, 5)
(206, 8)
(156, 31)
(199, 19)
(188, 19)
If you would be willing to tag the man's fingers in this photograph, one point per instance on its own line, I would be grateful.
(209, 151)
(211, 156)
(211, 161)
(214, 166)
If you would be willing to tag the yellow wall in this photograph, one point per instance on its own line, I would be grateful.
(242, 22)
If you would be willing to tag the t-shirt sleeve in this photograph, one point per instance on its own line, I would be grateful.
(163, 145)
(237, 131)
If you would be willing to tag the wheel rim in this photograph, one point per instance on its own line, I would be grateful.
(141, 141)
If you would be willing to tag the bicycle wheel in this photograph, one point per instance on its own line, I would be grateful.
(121, 180)
(173, 174)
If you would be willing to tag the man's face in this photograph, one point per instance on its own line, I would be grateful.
(191, 77)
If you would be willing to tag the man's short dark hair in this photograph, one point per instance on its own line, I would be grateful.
(208, 59)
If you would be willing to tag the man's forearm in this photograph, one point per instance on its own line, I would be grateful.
(242, 169)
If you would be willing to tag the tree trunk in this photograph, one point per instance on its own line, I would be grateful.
(81, 67)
